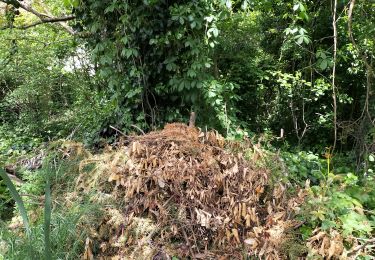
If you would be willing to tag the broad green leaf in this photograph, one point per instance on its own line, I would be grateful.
(302, 31)
(294, 30)
(66, 3)
(302, 7)
(328, 224)
(306, 39)
(323, 64)
(181, 86)
(304, 16)
(300, 39)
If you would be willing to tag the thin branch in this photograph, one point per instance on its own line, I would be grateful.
(334, 21)
(44, 18)
(26, 8)
(62, 23)
(360, 247)
(33, 11)
(119, 131)
(139, 129)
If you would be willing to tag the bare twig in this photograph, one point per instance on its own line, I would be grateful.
(114, 128)
(360, 247)
(45, 20)
(191, 229)
(139, 129)
(187, 242)
(193, 117)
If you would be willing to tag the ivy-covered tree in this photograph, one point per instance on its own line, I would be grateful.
(155, 55)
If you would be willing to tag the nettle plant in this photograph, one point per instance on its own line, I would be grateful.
(155, 54)
(341, 201)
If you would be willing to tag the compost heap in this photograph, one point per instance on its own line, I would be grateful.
(179, 192)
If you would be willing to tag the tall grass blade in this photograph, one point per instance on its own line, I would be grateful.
(47, 220)
(16, 196)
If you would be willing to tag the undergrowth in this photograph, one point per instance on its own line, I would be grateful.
(66, 236)
(339, 207)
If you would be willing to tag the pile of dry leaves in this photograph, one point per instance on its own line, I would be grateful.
(179, 192)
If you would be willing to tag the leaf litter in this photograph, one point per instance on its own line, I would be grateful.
(182, 192)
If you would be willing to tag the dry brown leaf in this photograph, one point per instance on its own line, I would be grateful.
(253, 243)
(236, 236)
(87, 255)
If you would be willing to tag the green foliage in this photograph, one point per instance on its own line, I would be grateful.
(15, 195)
(15, 142)
(54, 234)
(304, 166)
(335, 207)
(341, 202)
(66, 240)
(47, 91)
(239, 59)
(239, 64)
(338, 199)
(221, 97)
(155, 56)
(5, 201)
(297, 106)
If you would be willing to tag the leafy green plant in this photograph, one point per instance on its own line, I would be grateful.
(304, 166)
(341, 203)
